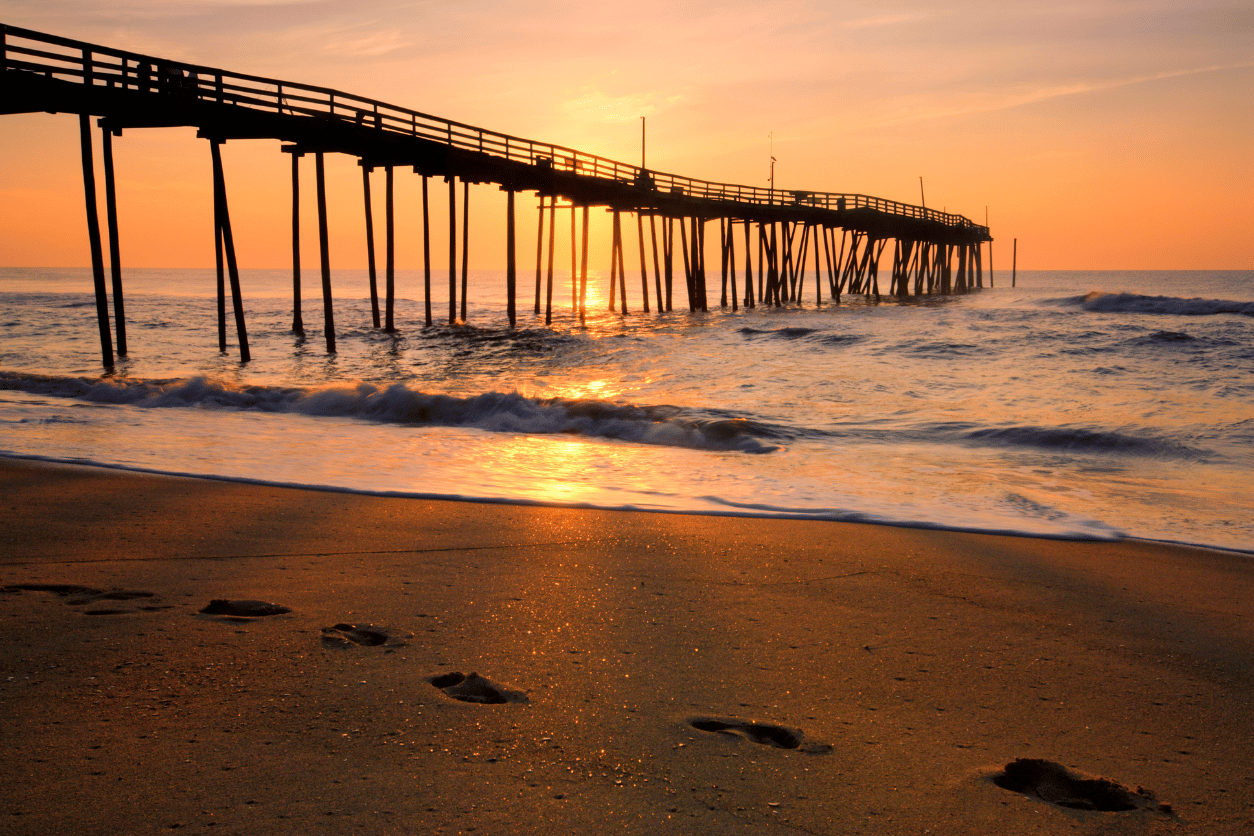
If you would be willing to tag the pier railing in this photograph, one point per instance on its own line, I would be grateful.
(64, 59)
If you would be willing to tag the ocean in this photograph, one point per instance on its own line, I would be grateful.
(1094, 405)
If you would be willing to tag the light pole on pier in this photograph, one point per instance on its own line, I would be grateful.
(642, 165)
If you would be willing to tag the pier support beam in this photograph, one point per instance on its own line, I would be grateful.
(426, 250)
(539, 251)
(511, 266)
(583, 269)
(93, 236)
(644, 267)
(548, 304)
(370, 265)
(324, 252)
(298, 323)
(452, 249)
(465, 244)
(390, 219)
(226, 240)
(115, 258)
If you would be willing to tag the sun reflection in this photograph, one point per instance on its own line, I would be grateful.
(567, 470)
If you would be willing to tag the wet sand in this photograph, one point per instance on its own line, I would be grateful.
(633, 673)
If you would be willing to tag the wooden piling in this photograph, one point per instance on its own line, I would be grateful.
(298, 323)
(228, 243)
(583, 270)
(390, 218)
(574, 264)
(722, 249)
(548, 305)
(465, 244)
(644, 267)
(324, 252)
(115, 258)
(539, 251)
(511, 268)
(452, 248)
(426, 251)
(1014, 263)
(622, 272)
(749, 297)
(683, 240)
(93, 236)
(731, 261)
(370, 265)
(668, 257)
(657, 267)
(818, 286)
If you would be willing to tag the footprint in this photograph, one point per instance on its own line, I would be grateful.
(764, 734)
(77, 596)
(344, 636)
(243, 609)
(474, 688)
(1056, 784)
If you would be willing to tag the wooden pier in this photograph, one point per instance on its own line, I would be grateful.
(768, 239)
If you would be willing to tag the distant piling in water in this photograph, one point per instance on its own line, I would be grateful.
(934, 252)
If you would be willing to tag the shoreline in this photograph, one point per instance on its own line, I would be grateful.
(852, 518)
(912, 665)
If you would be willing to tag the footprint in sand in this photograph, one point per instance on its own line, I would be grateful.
(1056, 784)
(474, 688)
(764, 734)
(345, 636)
(77, 596)
(243, 610)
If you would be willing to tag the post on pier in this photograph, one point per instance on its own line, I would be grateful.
(298, 323)
(511, 266)
(698, 261)
(731, 261)
(93, 235)
(818, 284)
(115, 258)
(618, 260)
(548, 304)
(657, 268)
(722, 249)
(390, 218)
(683, 246)
(324, 253)
(668, 258)
(583, 269)
(227, 240)
(574, 264)
(452, 248)
(426, 250)
(750, 301)
(465, 242)
(370, 264)
(644, 267)
(1014, 263)
(539, 251)
(613, 260)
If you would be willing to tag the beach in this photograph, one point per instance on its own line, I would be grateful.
(656, 672)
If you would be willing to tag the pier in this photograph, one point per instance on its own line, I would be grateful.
(775, 247)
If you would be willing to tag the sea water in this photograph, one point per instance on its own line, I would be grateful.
(1077, 404)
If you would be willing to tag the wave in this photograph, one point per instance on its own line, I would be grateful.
(396, 404)
(1100, 302)
(1066, 439)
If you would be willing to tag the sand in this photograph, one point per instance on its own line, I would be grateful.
(656, 673)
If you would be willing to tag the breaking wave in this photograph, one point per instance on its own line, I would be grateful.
(397, 404)
(1100, 302)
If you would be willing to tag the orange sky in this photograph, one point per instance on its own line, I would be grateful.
(1101, 135)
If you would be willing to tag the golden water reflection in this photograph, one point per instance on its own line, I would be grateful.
(567, 470)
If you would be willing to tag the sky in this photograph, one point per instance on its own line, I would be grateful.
(1100, 135)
